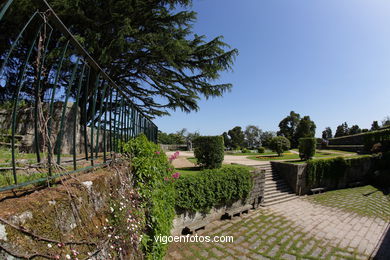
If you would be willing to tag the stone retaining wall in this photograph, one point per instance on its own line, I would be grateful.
(54, 214)
(25, 128)
(192, 221)
(296, 175)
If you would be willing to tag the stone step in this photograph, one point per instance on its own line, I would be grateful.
(287, 198)
(271, 183)
(276, 187)
(276, 191)
(272, 178)
(281, 195)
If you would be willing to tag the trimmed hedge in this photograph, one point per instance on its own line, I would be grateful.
(307, 147)
(209, 151)
(261, 150)
(330, 169)
(380, 136)
(199, 192)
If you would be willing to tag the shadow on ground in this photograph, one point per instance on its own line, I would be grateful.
(384, 247)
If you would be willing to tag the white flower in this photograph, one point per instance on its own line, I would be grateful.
(49, 245)
(109, 235)
(112, 210)
(67, 256)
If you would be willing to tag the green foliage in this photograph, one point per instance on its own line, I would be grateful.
(327, 133)
(342, 130)
(380, 136)
(318, 170)
(307, 148)
(152, 177)
(237, 137)
(288, 127)
(306, 128)
(210, 188)
(209, 151)
(333, 169)
(245, 150)
(252, 136)
(279, 144)
(226, 140)
(355, 129)
(261, 150)
(266, 138)
(142, 43)
(375, 126)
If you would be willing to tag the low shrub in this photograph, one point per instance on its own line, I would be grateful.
(209, 151)
(307, 148)
(153, 180)
(279, 144)
(261, 150)
(209, 188)
(244, 150)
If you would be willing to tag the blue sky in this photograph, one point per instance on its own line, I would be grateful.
(329, 59)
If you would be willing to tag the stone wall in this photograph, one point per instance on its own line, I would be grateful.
(76, 210)
(195, 220)
(25, 128)
(291, 173)
(357, 139)
(296, 176)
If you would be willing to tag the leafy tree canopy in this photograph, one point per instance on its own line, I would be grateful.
(327, 133)
(288, 126)
(355, 129)
(266, 138)
(146, 46)
(342, 130)
(252, 136)
(375, 126)
(237, 137)
(306, 128)
(279, 144)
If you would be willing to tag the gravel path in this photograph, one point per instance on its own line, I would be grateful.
(228, 159)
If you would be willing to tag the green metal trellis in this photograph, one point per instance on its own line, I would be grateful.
(107, 114)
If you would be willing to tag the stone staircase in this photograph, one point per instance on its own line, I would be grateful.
(276, 190)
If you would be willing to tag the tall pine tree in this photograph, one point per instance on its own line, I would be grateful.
(146, 46)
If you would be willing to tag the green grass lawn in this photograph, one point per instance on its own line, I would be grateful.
(187, 170)
(192, 159)
(366, 201)
(267, 152)
(6, 156)
(286, 156)
(7, 178)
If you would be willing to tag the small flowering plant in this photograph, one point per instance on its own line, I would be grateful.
(126, 223)
(173, 156)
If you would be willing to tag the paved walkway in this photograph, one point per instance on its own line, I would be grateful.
(228, 159)
(341, 228)
(297, 229)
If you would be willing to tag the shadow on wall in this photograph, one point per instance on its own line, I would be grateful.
(383, 251)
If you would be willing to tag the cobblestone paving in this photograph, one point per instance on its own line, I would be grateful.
(366, 200)
(297, 229)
